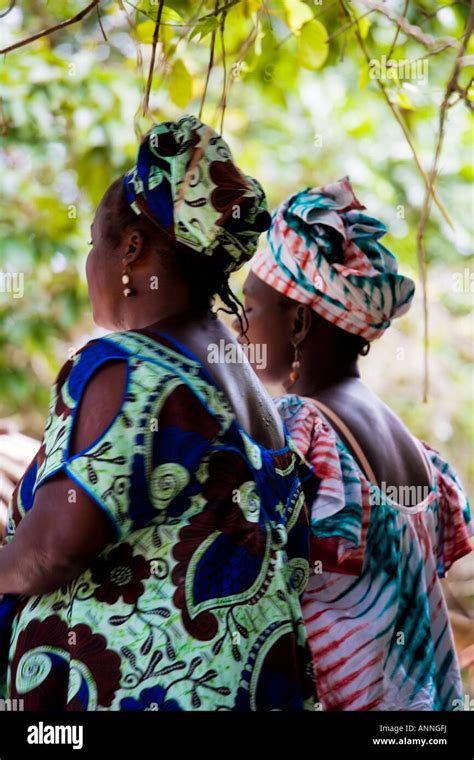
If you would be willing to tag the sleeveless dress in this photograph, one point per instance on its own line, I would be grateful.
(374, 609)
(196, 606)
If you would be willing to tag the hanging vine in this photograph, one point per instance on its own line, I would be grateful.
(175, 39)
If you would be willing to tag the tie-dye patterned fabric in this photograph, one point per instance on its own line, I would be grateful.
(197, 604)
(374, 610)
(324, 252)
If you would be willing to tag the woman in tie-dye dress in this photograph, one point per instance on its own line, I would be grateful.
(390, 515)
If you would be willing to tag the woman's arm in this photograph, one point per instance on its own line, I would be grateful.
(65, 529)
(16, 453)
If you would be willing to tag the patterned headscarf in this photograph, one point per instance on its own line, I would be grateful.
(348, 278)
(185, 177)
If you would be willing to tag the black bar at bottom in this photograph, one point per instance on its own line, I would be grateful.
(132, 736)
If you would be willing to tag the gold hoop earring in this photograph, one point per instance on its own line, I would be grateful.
(295, 365)
(126, 279)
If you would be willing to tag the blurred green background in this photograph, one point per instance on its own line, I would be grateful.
(302, 109)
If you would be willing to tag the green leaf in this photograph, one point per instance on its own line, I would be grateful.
(245, 8)
(313, 45)
(180, 84)
(171, 16)
(404, 101)
(364, 77)
(204, 27)
(364, 26)
(145, 31)
(150, 7)
(297, 13)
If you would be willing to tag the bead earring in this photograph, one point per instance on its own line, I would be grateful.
(127, 291)
(295, 365)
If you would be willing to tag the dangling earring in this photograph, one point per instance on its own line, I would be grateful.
(127, 291)
(294, 374)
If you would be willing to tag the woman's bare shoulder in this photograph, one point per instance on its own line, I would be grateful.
(386, 441)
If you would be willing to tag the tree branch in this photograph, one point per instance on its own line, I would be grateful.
(99, 18)
(222, 9)
(154, 44)
(347, 26)
(428, 186)
(432, 43)
(210, 64)
(224, 69)
(7, 11)
(397, 32)
(243, 50)
(396, 112)
(78, 17)
(428, 16)
(451, 87)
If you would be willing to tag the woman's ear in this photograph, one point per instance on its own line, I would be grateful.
(302, 320)
(133, 246)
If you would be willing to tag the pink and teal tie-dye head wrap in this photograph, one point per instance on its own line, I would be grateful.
(324, 252)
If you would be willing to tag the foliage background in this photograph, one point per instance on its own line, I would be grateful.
(300, 111)
(71, 113)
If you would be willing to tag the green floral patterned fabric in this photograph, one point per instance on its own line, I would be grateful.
(197, 604)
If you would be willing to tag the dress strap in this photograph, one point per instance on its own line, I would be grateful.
(342, 427)
(426, 460)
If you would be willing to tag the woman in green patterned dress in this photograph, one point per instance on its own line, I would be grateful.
(157, 545)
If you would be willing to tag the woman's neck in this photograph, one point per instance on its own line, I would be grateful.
(317, 383)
